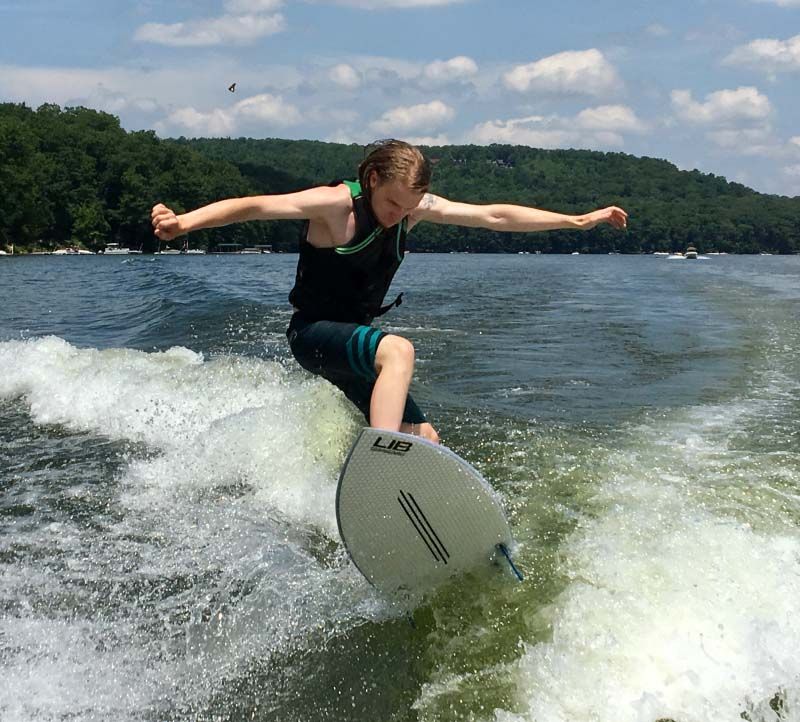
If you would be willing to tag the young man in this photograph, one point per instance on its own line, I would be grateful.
(351, 247)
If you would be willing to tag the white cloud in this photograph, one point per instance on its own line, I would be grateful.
(263, 108)
(390, 76)
(50, 84)
(600, 127)
(236, 29)
(101, 98)
(388, 4)
(712, 33)
(440, 139)
(362, 137)
(657, 30)
(423, 117)
(268, 108)
(325, 116)
(792, 171)
(245, 7)
(345, 76)
(738, 137)
(747, 141)
(584, 72)
(759, 141)
(768, 55)
(448, 71)
(722, 106)
(198, 83)
(215, 123)
(610, 117)
(534, 130)
(114, 90)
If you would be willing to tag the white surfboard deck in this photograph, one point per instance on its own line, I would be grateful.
(412, 514)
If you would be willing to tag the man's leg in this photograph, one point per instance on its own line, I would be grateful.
(394, 364)
(425, 430)
(354, 358)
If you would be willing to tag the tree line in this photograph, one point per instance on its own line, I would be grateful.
(74, 176)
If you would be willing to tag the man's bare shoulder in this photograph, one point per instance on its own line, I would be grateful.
(326, 204)
(334, 197)
(333, 224)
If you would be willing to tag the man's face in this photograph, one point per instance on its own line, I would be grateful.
(392, 201)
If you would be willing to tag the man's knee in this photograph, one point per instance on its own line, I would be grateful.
(426, 431)
(395, 351)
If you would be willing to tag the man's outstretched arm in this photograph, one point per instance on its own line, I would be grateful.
(505, 217)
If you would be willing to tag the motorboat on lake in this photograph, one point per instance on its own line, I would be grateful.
(72, 252)
(114, 249)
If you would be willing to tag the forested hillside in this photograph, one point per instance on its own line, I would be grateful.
(74, 176)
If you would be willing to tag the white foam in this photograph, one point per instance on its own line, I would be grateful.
(683, 601)
(233, 488)
(225, 421)
(62, 670)
(667, 620)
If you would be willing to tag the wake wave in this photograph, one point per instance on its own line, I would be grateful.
(217, 548)
(682, 601)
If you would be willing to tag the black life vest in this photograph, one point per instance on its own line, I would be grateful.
(348, 283)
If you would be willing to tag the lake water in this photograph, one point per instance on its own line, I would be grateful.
(168, 544)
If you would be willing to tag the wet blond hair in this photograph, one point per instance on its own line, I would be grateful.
(395, 160)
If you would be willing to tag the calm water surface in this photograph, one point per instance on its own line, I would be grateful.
(168, 544)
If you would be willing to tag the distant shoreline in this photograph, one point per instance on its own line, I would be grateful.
(24, 253)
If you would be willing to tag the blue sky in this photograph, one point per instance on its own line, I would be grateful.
(707, 84)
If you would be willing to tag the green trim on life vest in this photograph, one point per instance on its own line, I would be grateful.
(400, 228)
(345, 250)
(355, 192)
(355, 188)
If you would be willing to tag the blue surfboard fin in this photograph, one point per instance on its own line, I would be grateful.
(504, 551)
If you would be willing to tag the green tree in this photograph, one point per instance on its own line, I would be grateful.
(74, 174)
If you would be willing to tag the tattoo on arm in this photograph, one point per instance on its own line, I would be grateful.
(427, 201)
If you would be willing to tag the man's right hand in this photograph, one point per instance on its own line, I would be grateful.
(166, 225)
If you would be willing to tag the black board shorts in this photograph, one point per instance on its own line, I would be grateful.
(344, 354)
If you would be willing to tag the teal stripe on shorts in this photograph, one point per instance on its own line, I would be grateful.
(361, 350)
(373, 347)
(352, 345)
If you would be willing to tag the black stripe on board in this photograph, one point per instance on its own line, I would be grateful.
(419, 531)
(426, 529)
(441, 547)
